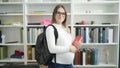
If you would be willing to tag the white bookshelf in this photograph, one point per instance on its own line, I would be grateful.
(100, 11)
(20, 13)
(12, 26)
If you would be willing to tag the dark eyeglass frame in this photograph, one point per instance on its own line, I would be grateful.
(60, 13)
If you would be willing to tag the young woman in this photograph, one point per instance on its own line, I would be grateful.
(64, 49)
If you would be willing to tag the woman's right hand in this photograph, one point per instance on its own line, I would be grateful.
(73, 48)
(76, 47)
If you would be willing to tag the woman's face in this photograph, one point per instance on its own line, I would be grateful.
(60, 15)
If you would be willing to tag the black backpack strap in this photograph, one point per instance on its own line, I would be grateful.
(56, 36)
(55, 32)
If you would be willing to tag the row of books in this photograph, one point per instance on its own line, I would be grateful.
(32, 34)
(3, 52)
(30, 52)
(96, 34)
(90, 35)
(86, 56)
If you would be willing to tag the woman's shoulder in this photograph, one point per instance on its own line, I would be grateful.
(54, 25)
(51, 26)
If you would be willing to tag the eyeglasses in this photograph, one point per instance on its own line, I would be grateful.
(60, 13)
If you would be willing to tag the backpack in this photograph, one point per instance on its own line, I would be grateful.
(42, 54)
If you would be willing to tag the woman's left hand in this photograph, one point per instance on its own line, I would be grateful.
(78, 44)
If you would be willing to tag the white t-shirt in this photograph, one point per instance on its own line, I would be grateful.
(63, 56)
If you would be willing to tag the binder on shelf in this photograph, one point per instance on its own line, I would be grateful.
(3, 52)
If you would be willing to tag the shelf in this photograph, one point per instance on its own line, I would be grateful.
(12, 44)
(100, 65)
(31, 43)
(97, 2)
(31, 3)
(10, 3)
(35, 26)
(31, 60)
(90, 44)
(97, 25)
(11, 14)
(95, 13)
(101, 44)
(12, 60)
(14, 25)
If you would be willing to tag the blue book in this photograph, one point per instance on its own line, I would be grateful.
(94, 57)
(103, 35)
(16, 56)
(84, 40)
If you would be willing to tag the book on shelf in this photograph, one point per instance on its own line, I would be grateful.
(35, 23)
(11, 23)
(30, 52)
(28, 35)
(3, 52)
(107, 23)
(100, 35)
(33, 52)
(81, 56)
(16, 56)
(88, 52)
(0, 36)
(77, 58)
(38, 12)
(110, 35)
(11, 42)
(95, 35)
(84, 58)
(0, 22)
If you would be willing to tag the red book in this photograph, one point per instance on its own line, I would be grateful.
(77, 59)
(77, 38)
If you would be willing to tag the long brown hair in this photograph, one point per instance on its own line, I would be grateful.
(54, 13)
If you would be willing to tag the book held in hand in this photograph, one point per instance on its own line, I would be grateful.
(77, 38)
